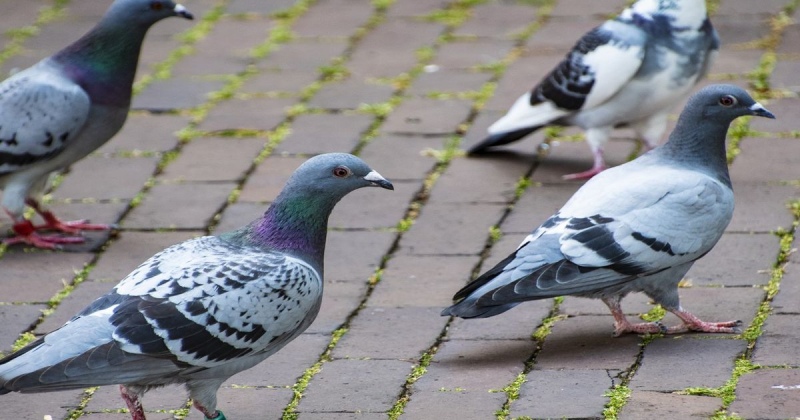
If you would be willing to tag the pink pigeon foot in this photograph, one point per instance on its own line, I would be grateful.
(51, 222)
(133, 403)
(693, 323)
(26, 234)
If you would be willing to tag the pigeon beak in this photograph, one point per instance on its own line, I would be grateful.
(377, 180)
(181, 11)
(759, 110)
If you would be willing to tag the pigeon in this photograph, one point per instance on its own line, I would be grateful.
(201, 311)
(629, 71)
(637, 227)
(66, 106)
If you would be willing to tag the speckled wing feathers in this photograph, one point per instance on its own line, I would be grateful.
(39, 114)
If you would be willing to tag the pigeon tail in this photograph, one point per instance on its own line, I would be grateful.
(467, 309)
(500, 139)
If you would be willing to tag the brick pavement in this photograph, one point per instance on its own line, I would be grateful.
(227, 109)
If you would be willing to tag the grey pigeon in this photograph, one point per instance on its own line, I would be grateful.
(637, 227)
(201, 311)
(630, 71)
(66, 106)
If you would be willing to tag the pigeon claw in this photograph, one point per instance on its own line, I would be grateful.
(621, 328)
(581, 176)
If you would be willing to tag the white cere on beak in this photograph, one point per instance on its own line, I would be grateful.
(377, 180)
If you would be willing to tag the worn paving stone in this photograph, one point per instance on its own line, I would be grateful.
(421, 281)
(475, 366)
(438, 80)
(762, 207)
(146, 133)
(777, 346)
(492, 179)
(31, 407)
(249, 403)
(756, 254)
(472, 53)
(332, 18)
(355, 255)
(53, 270)
(701, 362)
(650, 405)
(321, 133)
(75, 302)
(536, 205)
(466, 227)
(275, 80)
(157, 209)
(214, 159)
(371, 209)
(16, 319)
(788, 299)
(517, 324)
(427, 116)
(443, 403)
(498, 20)
(266, 182)
(259, 7)
(779, 153)
(355, 385)
(226, 50)
(107, 178)
(563, 394)
(402, 158)
(350, 94)
(373, 60)
(768, 394)
(247, 114)
(304, 55)
(174, 94)
(585, 343)
(368, 337)
(284, 367)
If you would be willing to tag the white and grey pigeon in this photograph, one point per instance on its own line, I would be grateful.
(629, 71)
(201, 311)
(637, 227)
(66, 106)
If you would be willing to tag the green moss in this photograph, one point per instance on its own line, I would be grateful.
(655, 314)
(617, 398)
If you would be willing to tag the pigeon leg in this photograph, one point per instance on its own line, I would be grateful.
(599, 166)
(693, 323)
(216, 415)
(133, 403)
(596, 138)
(622, 325)
(51, 222)
(26, 234)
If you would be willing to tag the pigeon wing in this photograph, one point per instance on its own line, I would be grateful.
(39, 115)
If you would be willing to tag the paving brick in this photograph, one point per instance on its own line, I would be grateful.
(257, 6)
(198, 203)
(402, 158)
(778, 344)
(274, 80)
(778, 152)
(368, 337)
(355, 415)
(350, 94)
(132, 249)
(411, 281)
(304, 55)
(267, 181)
(736, 62)
(498, 20)
(739, 29)
(517, 324)
(650, 405)
(31, 407)
(370, 209)
(174, 94)
(762, 207)
(16, 319)
(333, 18)
(146, 132)
(556, 38)
(545, 392)
(491, 179)
(340, 300)
(417, 8)
(249, 403)
(75, 302)
(464, 226)
(252, 114)
(585, 343)
(373, 59)
(469, 54)
(214, 159)
(427, 116)
(701, 363)
(226, 49)
(106, 178)
(764, 8)
(283, 368)
(581, 8)
(789, 40)
(355, 385)
(755, 255)
(788, 299)
(445, 80)
(19, 283)
(442, 403)
(320, 133)
(476, 366)
(536, 205)
(768, 394)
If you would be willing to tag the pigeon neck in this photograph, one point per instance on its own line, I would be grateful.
(700, 143)
(296, 224)
(103, 62)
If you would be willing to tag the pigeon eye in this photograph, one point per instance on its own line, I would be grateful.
(341, 172)
(156, 5)
(727, 100)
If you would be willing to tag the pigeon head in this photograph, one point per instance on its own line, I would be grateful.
(145, 13)
(725, 103)
(297, 220)
(698, 140)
